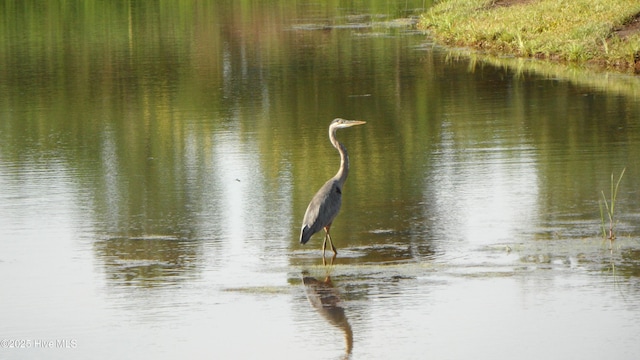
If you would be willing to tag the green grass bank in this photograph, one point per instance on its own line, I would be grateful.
(602, 33)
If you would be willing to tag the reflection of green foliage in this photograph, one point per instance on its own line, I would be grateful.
(122, 90)
(580, 76)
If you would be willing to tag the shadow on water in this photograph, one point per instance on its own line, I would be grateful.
(148, 261)
(326, 300)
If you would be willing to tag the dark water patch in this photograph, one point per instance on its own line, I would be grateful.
(148, 260)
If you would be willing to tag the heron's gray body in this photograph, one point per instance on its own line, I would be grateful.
(325, 204)
(322, 209)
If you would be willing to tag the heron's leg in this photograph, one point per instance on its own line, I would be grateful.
(324, 244)
(332, 247)
(327, 229)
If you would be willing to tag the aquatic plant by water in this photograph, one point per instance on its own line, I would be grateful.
(609, 206)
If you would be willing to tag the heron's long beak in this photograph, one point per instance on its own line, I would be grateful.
(349, 123)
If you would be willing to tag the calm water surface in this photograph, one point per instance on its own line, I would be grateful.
(156, 161)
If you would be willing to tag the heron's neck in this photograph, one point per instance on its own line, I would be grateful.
(343, 172)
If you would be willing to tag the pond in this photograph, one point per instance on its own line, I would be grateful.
(156, 161)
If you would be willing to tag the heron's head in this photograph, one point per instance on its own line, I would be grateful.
(342, 123)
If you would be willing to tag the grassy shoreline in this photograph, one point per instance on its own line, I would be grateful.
(590, 32)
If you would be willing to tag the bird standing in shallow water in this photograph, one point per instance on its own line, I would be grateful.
(325, 205)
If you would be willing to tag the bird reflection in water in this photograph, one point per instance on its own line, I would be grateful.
(325, 299)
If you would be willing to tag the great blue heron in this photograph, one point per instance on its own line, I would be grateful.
(325, 204)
